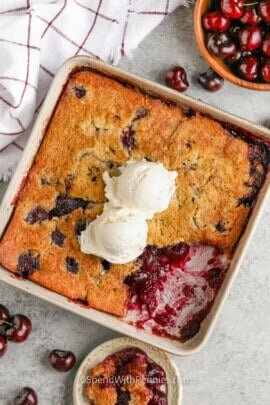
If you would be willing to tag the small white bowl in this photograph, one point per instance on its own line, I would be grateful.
(173, 388)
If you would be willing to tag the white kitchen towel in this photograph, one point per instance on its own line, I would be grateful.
(37, 36)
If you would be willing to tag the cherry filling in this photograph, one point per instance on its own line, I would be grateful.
(58, 237)
(159, 398)
(123, 397)
(37, 214)
(79, 91)
(72, 265)
(140, 113)
(27, 264)
(155, 376)
(174, 288)
(128, 138)
(65, 205)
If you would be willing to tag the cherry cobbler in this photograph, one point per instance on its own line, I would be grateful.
(98, 125)
(127, 377)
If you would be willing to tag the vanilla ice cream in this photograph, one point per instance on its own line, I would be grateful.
(117, 235)
(142, 186)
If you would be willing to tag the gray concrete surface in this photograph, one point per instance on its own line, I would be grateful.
(234, 367)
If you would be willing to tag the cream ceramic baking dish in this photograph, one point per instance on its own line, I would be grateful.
(174, 346)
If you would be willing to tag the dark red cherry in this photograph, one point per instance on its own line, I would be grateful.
(248, 68)
(176, 78)
(210, 80)
(251, 17)
(266, 45)
(232, 8)
(19, 328)
(3, 345)
(215, 21)
(264, 10)
(265, 71)
(220, 44)
(4, 313)
(231, 60)
(250, 38)
(228, 49)
(214, 41)
(62, 360)
(27, 396)
(4, 317)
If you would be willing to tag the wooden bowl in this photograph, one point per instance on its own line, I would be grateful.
(216, 63)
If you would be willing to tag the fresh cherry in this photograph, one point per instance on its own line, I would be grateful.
(19, 328)
(3, 345)
(251, 17)
(4, 318)
(248, 68)
(215, 21)
(62, 360)
(264, 10)
(250, 38)
(232, 8)
(266, 45)
(231, 60)
(27, 396)
(265, 71)
(210, 80)
(176, 78)
(220, 44)
(4, 313)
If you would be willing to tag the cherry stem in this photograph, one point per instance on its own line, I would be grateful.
(2, 322)
(251, 4)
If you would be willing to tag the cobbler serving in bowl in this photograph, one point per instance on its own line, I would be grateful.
(98, 126)
(127, 376)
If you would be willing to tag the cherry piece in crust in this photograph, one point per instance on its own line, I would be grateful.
(28, 263)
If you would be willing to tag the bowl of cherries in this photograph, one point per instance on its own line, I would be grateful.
(234, 38)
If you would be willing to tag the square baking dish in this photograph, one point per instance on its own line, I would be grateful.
(17, 182)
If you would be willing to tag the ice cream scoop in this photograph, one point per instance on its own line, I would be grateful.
(142, 186)
(118, 235)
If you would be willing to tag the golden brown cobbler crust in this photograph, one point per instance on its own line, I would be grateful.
(83, 140)
(139, 393)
